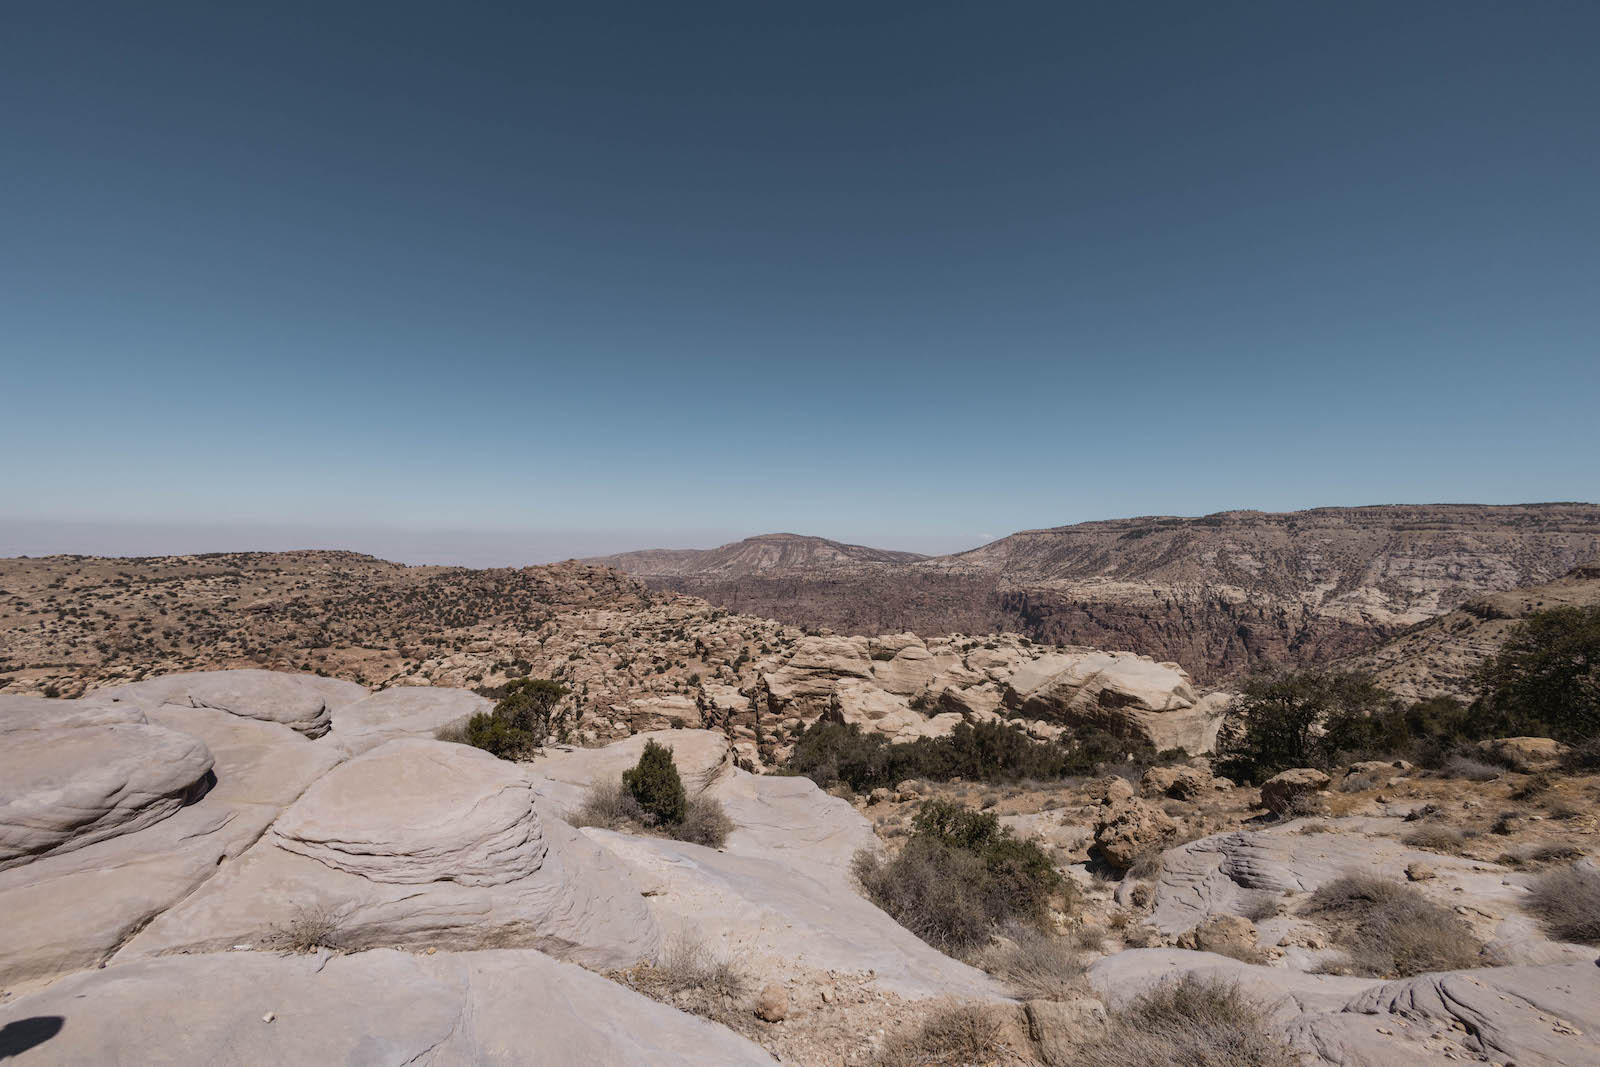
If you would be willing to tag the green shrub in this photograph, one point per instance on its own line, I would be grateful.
(831, 751)
(655, 786)
(960, 876)
(517, 725)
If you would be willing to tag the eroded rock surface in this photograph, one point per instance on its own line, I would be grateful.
(379, 1007)
(302, 702)
(419, 841)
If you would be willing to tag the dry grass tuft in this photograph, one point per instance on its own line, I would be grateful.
(1035, 965)
(1567, 902)
(1470, 769)
(1392, 930)
(1190, 1022)
(311, 928)
(956, 1034)
(1436, 838)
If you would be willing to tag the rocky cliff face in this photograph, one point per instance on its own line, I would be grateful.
(1218, 594)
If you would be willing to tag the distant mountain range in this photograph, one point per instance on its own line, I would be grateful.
(778, 553)
(1219, 594)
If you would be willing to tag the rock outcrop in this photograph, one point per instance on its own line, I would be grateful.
(67, 782)
(242, 1009)
(302, 702)
(419, 842)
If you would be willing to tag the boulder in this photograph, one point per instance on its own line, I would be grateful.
(815, 667)
(418, 842)
(1178, 783)
(1525, 754)
(303, 702)
(243, 1009)
(1279, 791)
(62, 788)
(1128, 829)
(1226, 935)
(74, 909)
(772, 1003)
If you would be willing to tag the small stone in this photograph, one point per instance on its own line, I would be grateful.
(1420, 872)
(773, 1003)
(269, 1016)
(828, 994)
(879, 795)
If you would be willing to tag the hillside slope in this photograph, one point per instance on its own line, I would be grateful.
(1438, 657)
(1219, 594)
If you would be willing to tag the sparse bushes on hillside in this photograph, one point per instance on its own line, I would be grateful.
(1188, 1022)
(960, 876)
(831, 751)
(1390, 930)
(957, 1033)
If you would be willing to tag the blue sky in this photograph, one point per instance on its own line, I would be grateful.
(562, 281)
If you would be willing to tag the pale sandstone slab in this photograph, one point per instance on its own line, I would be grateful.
(420, 842)
(303, 702)
(402, 711)
(380, 1008)
(63, 789)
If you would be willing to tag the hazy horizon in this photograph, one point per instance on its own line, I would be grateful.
(474, 548)
(527, 281)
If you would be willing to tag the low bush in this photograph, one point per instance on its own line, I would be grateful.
(1567, 903)
(647, 798)
(1187, 1022)
(517, 725)
(956, 1034)
(1436, 837)
(960, 876)
(655, 785)
(1473, 770)
(1035, 965)
(1390, 930)
(310, 928)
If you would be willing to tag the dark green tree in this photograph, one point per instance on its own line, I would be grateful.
(1545, 681)
(520, 722)
(1285, 719)
(654, 783)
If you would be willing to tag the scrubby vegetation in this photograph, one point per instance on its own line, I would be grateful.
(1390, 930)
(956, 1034)
(519, 724)
(832, 751)
(309, 929)
(1190, 1022)
(961, 876)
(1035, 964)
(1567, 902)
(1545, 682)
(651, 796)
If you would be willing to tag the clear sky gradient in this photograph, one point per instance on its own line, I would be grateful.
(592, 276)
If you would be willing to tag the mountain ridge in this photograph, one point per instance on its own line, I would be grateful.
(1219, 593)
